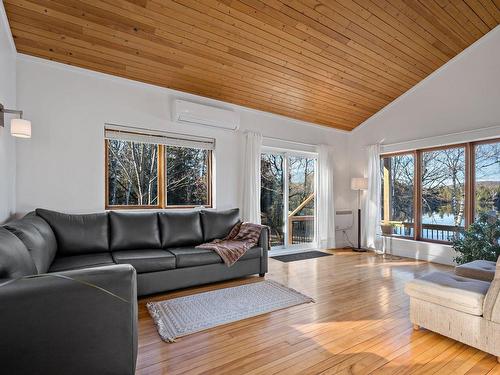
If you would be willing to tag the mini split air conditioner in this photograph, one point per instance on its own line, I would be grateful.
(199, 114)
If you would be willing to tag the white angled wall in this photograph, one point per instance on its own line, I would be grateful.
(62, 166)
(8, 99)
(462, 97)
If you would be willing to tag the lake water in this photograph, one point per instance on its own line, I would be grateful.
(437, 219)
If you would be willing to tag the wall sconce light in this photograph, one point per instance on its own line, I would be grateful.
(18, 126)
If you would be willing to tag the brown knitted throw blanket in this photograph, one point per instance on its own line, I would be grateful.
(242, 237)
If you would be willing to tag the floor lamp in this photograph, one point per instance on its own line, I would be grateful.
(358, 184)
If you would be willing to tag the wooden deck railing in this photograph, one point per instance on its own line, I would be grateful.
(438, 232)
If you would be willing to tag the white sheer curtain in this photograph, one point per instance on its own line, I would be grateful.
(326, 207)
(371, 216)
(251, 178)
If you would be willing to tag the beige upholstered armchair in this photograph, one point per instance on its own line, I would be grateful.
(464, 309)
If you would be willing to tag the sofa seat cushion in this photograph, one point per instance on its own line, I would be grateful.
(146, 260)
(193, 257)
(478, 269)
(81, 261)
(449, 290)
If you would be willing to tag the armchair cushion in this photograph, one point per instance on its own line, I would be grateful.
(449, 290)
(478, 269)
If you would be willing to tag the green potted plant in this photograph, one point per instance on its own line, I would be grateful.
(479, 241)
(387, 228)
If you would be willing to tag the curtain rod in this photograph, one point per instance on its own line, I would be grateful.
(446, 141)
(283, 140)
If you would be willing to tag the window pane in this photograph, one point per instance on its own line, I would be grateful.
(397, 213)
(132, 173)
(487, 181)
(300, 199)
(271, 196)
(443, 193)
(187, 173)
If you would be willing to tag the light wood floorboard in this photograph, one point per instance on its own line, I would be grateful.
(358, 324)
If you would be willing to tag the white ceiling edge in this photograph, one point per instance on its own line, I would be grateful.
(431, 76)
(178, 94)
(5, 25)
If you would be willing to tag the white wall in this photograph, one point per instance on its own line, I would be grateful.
(62, 166)
(462, 97)
(8, 99)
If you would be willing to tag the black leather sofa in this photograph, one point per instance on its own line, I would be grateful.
(69, 283)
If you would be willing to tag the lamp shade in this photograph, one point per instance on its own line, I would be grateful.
(20, 128)
(359, 183)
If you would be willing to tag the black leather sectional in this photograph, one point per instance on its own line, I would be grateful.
(79, 306)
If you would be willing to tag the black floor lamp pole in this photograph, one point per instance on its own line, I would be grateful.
(359, 249)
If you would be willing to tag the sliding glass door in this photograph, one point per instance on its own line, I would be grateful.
(288, 204)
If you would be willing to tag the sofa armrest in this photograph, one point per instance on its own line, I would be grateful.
(264, 244)
(74, 322)
(491, 307)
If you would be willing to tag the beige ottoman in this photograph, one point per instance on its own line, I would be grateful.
(478, 269)
(455, 307)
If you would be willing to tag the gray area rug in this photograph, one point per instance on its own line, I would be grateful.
(185, 315)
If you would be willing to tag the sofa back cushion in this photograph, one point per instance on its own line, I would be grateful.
(218, 224)
(39, 239)
(134, 230)
(180, 229)
(78, 234)
(15, 259)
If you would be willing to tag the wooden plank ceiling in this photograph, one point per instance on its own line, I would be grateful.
(331, 62)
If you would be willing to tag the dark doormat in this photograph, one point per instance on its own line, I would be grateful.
(301, 256)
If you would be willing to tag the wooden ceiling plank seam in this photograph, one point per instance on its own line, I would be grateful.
(482, 13)
(442, 17)
(351, 90)
(411, 44)
(116, 31)
(210, 92)
(361, 26)
(452, 8)
(378, 54)
(492, 9)
(304, 9)
(340, 85)
(142, 62)
(443, 34)
(470, 15)
(333, 63)
(393, 88)
(331, 42)
(409, 35)
(466, 38)
(360, 36)
(448, 48)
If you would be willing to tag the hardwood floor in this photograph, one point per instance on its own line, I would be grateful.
(359, 324)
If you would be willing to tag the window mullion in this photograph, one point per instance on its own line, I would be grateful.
(417, 195)
(162, 174)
